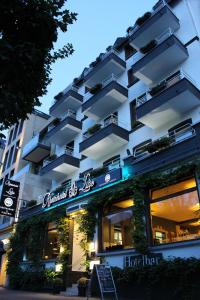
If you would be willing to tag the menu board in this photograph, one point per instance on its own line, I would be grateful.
(105, 279)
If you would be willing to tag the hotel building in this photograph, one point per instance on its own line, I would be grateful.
(135, 110)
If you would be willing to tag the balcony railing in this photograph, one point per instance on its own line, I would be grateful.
(104, 83)
(165, 84)
(101, 58)
(160, 4)
(67, 150)
(112, 119)
(176, 136)
(69, 113)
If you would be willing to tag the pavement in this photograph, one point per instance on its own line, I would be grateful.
(6, 294)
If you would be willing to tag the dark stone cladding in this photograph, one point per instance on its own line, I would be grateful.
(103, 133)
(166, 95)
(69, 93)
(102, 63)
(170, 41)
(63, 159)
(112, 85)
(182, 151)
(68, 120)
(152, 20)
(39, 145)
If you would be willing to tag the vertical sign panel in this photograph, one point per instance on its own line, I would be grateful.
(9, 198)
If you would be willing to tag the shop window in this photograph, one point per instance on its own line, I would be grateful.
(51, 248)
(175, 213)
(116, 226)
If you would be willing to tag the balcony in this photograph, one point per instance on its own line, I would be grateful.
(183, 144)
(110, 96)
(107, 138)
(65, 131)
(36, 150)
(168, 101)
(157, 21)
(59, 167)
(162, 56)
(70, 99)
(105, 65)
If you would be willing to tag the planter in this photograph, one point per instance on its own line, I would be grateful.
(151, 45)
(94, 129)
(98, 172)
(159, 145)
(59, 96)
(157, 89)
(143, 19)
(96, 89)
(82, 291)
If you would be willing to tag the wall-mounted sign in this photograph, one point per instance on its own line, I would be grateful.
(9, 198)
(87, 185)
(142, 260)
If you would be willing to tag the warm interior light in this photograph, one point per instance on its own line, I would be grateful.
(58, 267)
(125, 203)
(93, 262)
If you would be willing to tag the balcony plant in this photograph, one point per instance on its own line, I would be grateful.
(159, 144)
(94, 128)
(158, 88)
(152, 44)
(129, 29)
(143, 19)
(82, 286)
(95, 89)
(52, 157)
(58, 96)
(98, 172)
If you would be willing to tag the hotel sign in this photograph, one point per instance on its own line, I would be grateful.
(88, 184)
(9, 198)
(135, 261)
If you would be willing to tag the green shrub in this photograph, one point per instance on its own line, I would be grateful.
(158, 88)
(95, 89)
(94, 128)
(143, 19)
(159, 144)
(148, 47)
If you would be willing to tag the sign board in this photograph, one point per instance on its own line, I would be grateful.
(86, 185)
(105, 279)
(9, 198)
(142, 260)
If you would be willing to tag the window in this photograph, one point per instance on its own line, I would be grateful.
(134, 122)
(15, 131)
(10, 136)
(51, 248)
(16, 152)
(21, 126)
(117, 226)
(5, 161)
(70, 148)
(112, 163)
(10, 156)
(131, 78)
(12, 173)
(129, 51)
(175, 213)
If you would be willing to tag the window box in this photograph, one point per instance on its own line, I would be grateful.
(94, 129)
(151, 45)
(158, 88)
(143, 19)
(159, 144)
(96, 89)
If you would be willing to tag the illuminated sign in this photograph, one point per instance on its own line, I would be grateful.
(87, 186)
(9, 198)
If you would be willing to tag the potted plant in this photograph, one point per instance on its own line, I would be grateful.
(159, 144)
(58, 96)
(94, 128)
(158, 88)
(143, 19)
(82, 286)
(57, 285)
(95, 89)
(152, 44)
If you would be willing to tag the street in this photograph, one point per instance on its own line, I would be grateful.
(6, 294)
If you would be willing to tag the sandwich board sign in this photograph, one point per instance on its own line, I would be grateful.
(105, 280)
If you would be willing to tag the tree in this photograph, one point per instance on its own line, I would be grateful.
(28, 32)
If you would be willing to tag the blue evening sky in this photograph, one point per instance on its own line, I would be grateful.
(99, 23)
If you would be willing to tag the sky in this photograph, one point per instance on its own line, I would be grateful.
(98, 24)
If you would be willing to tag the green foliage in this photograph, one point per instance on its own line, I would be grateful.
(159, 144)
(94, 128)
(28, 30)
(29, 236)
(94, 90)
(148, 47)
(171, 279)
(143, 19)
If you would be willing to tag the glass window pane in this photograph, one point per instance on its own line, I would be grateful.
(176, 219)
